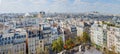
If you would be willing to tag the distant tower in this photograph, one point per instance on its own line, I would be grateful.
(41, 14)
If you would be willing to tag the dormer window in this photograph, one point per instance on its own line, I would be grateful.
(5, 38)
(9, 38)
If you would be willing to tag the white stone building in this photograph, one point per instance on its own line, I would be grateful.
(96, 34)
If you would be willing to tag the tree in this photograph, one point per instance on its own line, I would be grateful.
(60, 44)
(69, 44)
(86, 37)
(57, 45)
(81, 39)
(78, 40)
(54, 46)
(98, 47)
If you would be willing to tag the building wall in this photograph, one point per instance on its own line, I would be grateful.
(110, 37)
(19, 48)
(79, 31)
(96, 34)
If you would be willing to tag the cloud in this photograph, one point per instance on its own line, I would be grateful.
(107, 7)
(78, 2)
(38, 2)
(80, 6)
(57, 6)
(0, 1)
(22, 5)
(118, 0)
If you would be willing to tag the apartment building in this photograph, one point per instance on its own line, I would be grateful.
(6, 43)
(19, 43)
(96, 34)
(54, 34)
(46, 32)
(117, 39)
(104, 36)
(80, 28)
(73, 30)
(113, 37)
(33, 42)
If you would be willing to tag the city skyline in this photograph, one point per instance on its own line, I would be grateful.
(69, 6)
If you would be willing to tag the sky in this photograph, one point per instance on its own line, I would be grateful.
(68, 6)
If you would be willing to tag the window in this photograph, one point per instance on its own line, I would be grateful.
(12, 37)
(8, 42)
(21, 48)
(23, 45)
(9, 38)
(24, 35)
(5, 38)
(40, 41)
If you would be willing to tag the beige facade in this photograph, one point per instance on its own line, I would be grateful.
(113, 38)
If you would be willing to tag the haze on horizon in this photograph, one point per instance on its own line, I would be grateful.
(68, 6)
